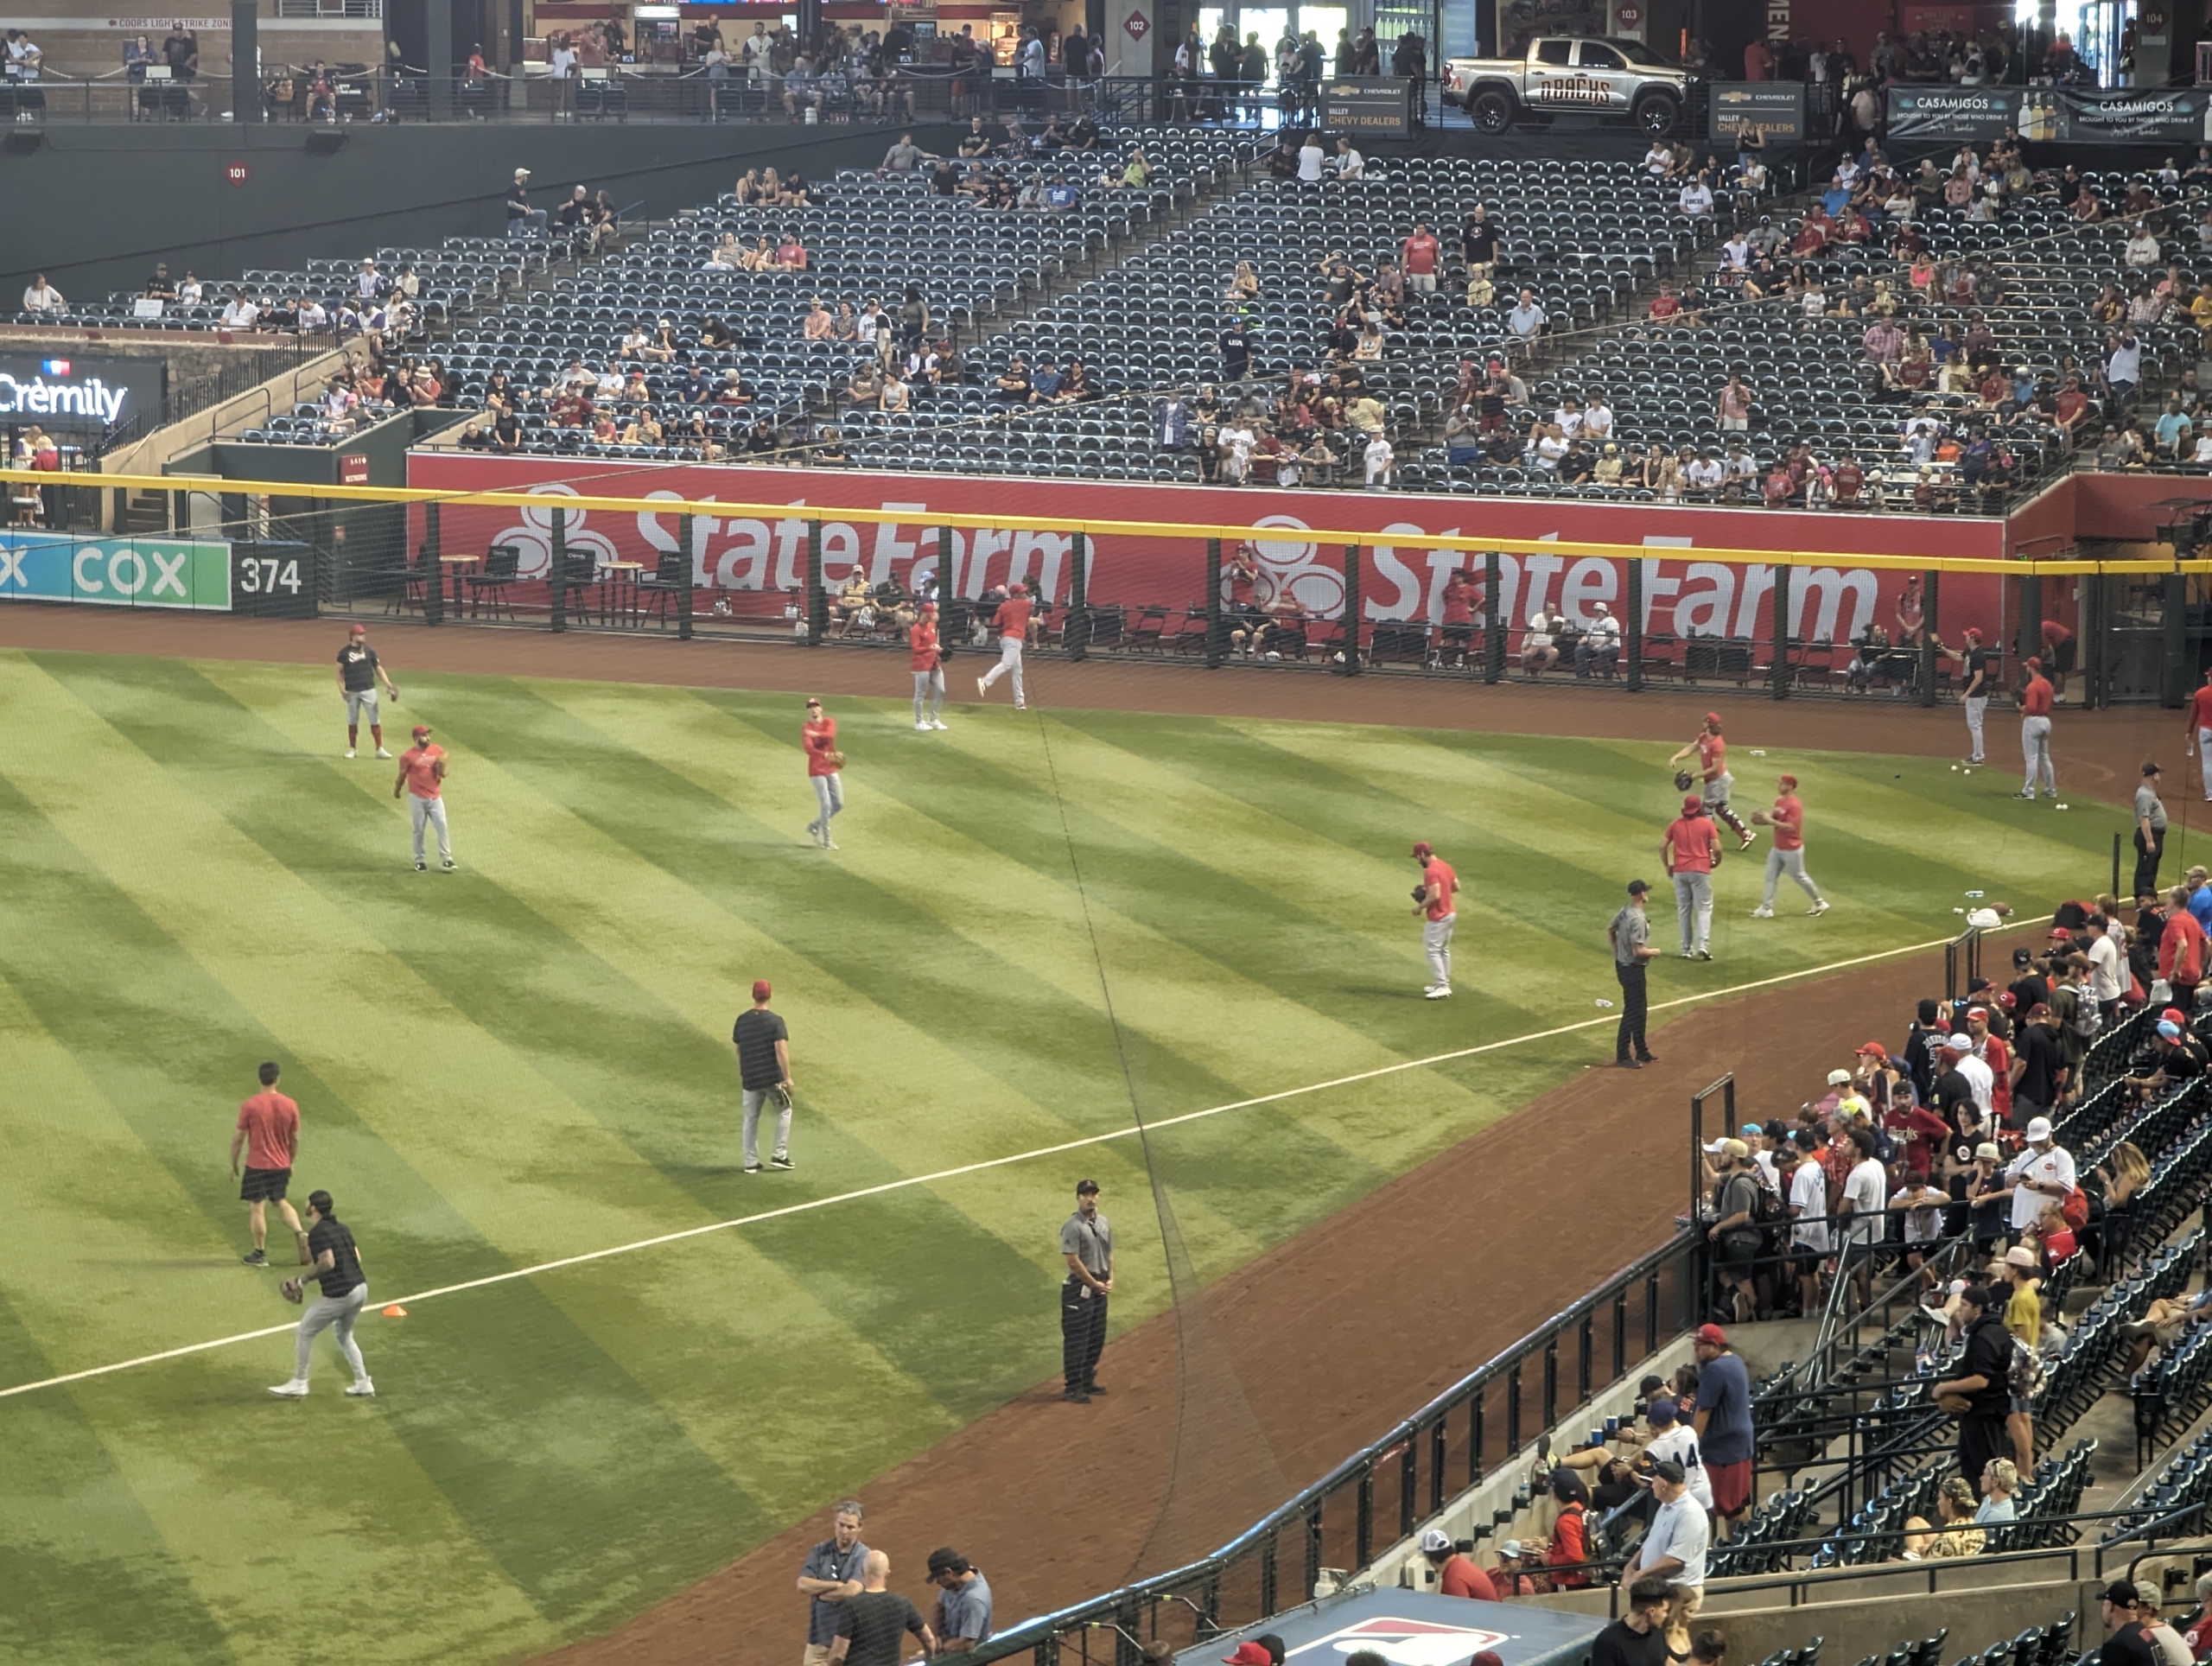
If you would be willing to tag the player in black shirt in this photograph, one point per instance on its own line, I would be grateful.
(334, 1262)
(762, 1045)
(358, 671)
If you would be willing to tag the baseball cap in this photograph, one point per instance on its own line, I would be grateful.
(1713, 1336)
(1714, 1146)
(2168, 1028)
(1987, 1151)
(1875, 1048)
(1713, 717)
(1752, 1130)
(761, 988)
(2064, 934)
(1638, 887)
(1512, 1550)
(420, 730)
(1249, 1653)
(2122, 1593)
(1669, 1471)
(1838, 1078)
(1662, 1412)
(945, 1559)
(1017, 589)
(359, 630)
(2174, 1015)
(2151, 769)
(2008, 1000)
(522, 173)
(1424, 849)
(2020, 1255)
(1971, 633)
(2039, 1128)
(1982, 1012)
(1691, 801)
(2035, 662)
(1434, 1540)
(2041, 1009)
(1959, 1041)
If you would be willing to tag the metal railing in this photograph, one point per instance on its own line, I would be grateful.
(1380, 1493)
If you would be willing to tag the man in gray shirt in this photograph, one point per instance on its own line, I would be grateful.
(832, 1574)
(1630, 936)
(2150, 833)
(904, 158)
(1087, 1246)
(964, 1611)
(1675, 1546)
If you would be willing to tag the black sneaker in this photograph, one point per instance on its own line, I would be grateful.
(255, 1258)
(448, 866)
(1647, 1058)
(781, 1160)
(752, 1168)
(1077, 1396)
(422, 868)
(1627, 1064)
(1096, 1387)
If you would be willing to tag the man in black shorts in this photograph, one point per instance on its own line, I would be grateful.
(872, 1625)
(268, 1133)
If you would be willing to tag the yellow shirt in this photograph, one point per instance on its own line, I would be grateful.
(2024, 1314)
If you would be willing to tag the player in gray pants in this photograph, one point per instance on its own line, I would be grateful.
(1693, 910)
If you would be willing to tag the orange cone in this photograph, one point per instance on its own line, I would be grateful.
(395, 1312)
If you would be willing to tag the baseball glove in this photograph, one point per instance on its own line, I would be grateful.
(836, 760)
(294, 1292)
(1684, 781)
(1420, 893)
(782, 1096)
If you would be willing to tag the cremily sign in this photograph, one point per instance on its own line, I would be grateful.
(72, 392)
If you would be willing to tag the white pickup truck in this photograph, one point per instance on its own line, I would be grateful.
(1569, 73)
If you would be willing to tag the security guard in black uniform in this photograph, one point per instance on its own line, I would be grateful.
(1087, 1242)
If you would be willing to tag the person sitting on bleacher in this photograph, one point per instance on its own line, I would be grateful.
(1958, 1535)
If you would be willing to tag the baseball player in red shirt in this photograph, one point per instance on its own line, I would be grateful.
(928, 669)
(1713, 768)
(423, 778)
(2197, 737)
(2035, 733)
(1011, 623)
(1787, 819)
(1436, 900)
(1691, 851)
(824, 767)
(268, 1133)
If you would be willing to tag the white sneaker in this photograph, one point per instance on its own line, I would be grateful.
(1817, 909)
(921, 728)
(829, 844)
(363, 1390)
(1763, 912)
(814, 832)
(349, 752)
(940, 723)
(294, 1390)
(381, 753)
(982, 690)
(1441, 992)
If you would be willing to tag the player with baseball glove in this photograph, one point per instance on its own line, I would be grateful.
(763, 1046)
(358, 672)
(1712, 770)
(824, 765)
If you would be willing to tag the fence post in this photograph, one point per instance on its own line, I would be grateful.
(1075, 638)
(2031, 636)
(1781, 630)
(433, 572)
(1475, 1435)
(1930, 622)
(683, 595)
(2090, 633)
(946, 561)
(1349, 660)
(1214, 630)
(1635, 622)
(1494, 631)
(2173, 686)
(559, 595)
(817, 600)
(2115, 864)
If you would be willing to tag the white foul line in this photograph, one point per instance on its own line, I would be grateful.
(988, 1163)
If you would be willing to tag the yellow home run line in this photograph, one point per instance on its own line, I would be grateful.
(988, 1163)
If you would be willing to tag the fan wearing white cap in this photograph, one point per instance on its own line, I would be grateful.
(2041, 1175)
(1982, 1081)
(1455, 1575)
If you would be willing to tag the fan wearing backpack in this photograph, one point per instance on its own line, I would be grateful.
(2024, 1319)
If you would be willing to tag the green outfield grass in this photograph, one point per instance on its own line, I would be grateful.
(530, 1060)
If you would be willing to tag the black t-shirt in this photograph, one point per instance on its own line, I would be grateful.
(2029, 990)
(1619, 1646)
(2181, 1061)
(345, 1273)
(358, 665)
(2128, 1646)
(1479, 243)
(1919, 1060)
(1235, 352)
(2036, 1047)
(1952, 1089)
(1989, 1355)
(875, 1621)
(756, 1032)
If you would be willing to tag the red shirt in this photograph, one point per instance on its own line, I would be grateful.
(1993, 1051)
(1421, 253)
(1666, 306)
(1461, 1578)
(1570, 1544)
(1918, 1132)
(420, 765)
(2200, 706)
(2057, 1245)
(922, 639)
(273, 1130)
(2035, 699)
(1696, 846)
(1850, 480)
(1459, 605)
(820, 738)
(1712, 756)
(1012, 617)
(1789, 818)
(2055, 635)
(2181, 949)
(1443, 887)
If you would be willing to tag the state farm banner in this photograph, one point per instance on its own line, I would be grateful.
(1401, 576)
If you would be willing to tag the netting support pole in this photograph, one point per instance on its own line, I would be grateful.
(1494, 631)
(1439, 1445)
(2173, 686)
(433, 570)
(1930, 624)
(1313, 1552)
(683, 536)
(1076, 635)
(1635, 627)
(1780, 667)
(1512, 1409)
(559, 596)
(1475, 1436)
(817, 599)
(2030, 638)
(1348, 663)
(1551, 1379)
(1215, 653)
(1408, 1486)
(1363, 1520)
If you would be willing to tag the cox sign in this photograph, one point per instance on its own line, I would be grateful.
(112, 573)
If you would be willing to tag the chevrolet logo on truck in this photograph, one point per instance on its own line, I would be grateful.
(1599, 74)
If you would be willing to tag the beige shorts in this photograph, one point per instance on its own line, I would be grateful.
(817, 1654)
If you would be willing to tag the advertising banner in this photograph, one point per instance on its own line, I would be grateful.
(1378, 106)
(1951, 115)
(67, 392)
(1947, 115)
(1776, 111)
(1400, 577)
(114, 572)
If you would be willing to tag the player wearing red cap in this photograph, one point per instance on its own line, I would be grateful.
(1787, 819)
(1011, 623)
(358, 672)
(1691, 851)
(825, 769)
(1712, 770)
(928, 669)
(423, 778)
(763, 1048)
(2035, 733)
(1436, 901)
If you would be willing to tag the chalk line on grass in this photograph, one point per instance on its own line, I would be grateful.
(943, 1174)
